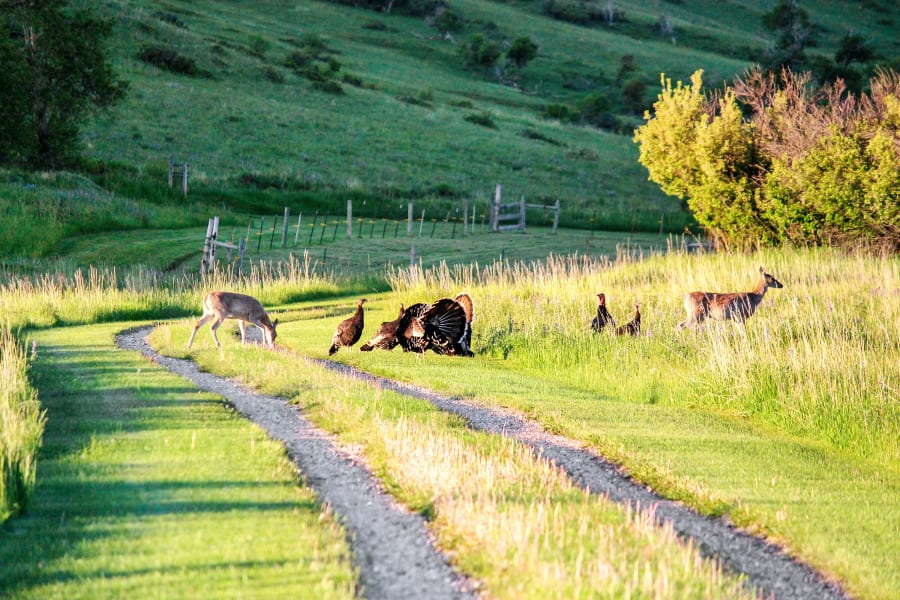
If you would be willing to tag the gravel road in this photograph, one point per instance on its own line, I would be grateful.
(394, 552)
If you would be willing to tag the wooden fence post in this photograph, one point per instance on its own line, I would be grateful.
(350, 220)
(284, 228)
(495, 208)
(184, 178)
(409, 220)
(208, 247)
(555, 215)
(465, 215)
(522, 213)
(297, 234)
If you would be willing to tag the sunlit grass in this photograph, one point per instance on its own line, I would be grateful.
(102, 295)
(513, 521)
(148, 487)
(817, 360)
(21, 427)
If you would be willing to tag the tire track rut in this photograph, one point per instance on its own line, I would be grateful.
(352, 492)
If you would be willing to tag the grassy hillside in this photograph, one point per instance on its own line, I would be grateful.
(397, 128)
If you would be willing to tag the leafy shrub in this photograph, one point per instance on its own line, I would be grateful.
(258, 45)
(804, 167)
(273, 74)
(167, 17)
(531, 134)
(328, 85)
(484, 119)
(477, 50)
(558, 111)
(170, 60)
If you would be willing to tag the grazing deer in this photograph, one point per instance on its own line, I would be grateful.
(736, 306)
(228, 305)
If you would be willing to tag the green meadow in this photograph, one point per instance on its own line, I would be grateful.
(119, 478)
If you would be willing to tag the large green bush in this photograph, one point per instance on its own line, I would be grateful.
(775, 161)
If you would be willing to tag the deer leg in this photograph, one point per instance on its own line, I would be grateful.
(203, 320)
(243, 327)
(213, 328)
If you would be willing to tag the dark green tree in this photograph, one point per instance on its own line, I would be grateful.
(522, 51)
(793, 34)
(53, 73)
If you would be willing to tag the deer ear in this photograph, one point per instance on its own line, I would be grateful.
(762, 271)
(275, 323)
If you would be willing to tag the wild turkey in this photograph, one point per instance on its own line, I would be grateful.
(465, 343)
(603, 317)
(633, 327)
(349, 330)
(390, 332)
(440, 326)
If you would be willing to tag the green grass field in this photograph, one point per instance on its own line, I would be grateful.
(788, 427)
(141, 489)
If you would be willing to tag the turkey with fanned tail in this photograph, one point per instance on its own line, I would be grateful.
(441, 326)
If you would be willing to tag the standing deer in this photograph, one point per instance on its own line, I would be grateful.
(736, 306)
(229, 305)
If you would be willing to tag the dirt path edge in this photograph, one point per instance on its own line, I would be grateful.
(765, 566)
(393, 549)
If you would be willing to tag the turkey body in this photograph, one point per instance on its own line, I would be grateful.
(349, 330)
(633, 327)
(603, 318)
(442, 327)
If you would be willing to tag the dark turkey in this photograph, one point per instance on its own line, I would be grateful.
(440, 327)
(349, 330)
(603, 318)
(633, 327)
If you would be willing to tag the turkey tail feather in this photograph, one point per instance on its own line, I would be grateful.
(465, 300)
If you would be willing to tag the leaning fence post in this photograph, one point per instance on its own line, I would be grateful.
(297, 234)
(555, 215)
(409, 219)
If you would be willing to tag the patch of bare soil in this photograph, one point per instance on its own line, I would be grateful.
(394, 552)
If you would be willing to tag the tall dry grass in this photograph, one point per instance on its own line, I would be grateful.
(21, 427)
(818, 359)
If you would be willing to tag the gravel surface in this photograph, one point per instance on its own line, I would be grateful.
(393, 549)
(394, 552)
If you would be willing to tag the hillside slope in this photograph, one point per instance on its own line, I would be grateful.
(404, 117)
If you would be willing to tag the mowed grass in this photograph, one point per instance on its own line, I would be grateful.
(514, 522)
(375, 245)
(787, 426)
(147, 486)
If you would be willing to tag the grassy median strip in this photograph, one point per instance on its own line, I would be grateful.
(144, 483)
(512, 521)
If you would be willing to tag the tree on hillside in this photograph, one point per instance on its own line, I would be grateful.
(793, 34)
(522, 51)
(772, 160)
(53, 72)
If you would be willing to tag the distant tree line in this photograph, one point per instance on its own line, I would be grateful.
(773, 160)
(53, 72)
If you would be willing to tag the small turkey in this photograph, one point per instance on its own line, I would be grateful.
(603, 318)
(633, 327)
(349, 330)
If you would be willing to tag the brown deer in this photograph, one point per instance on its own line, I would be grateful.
(229, 305)
(736, 306)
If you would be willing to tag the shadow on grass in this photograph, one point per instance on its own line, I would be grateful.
(103, 484)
